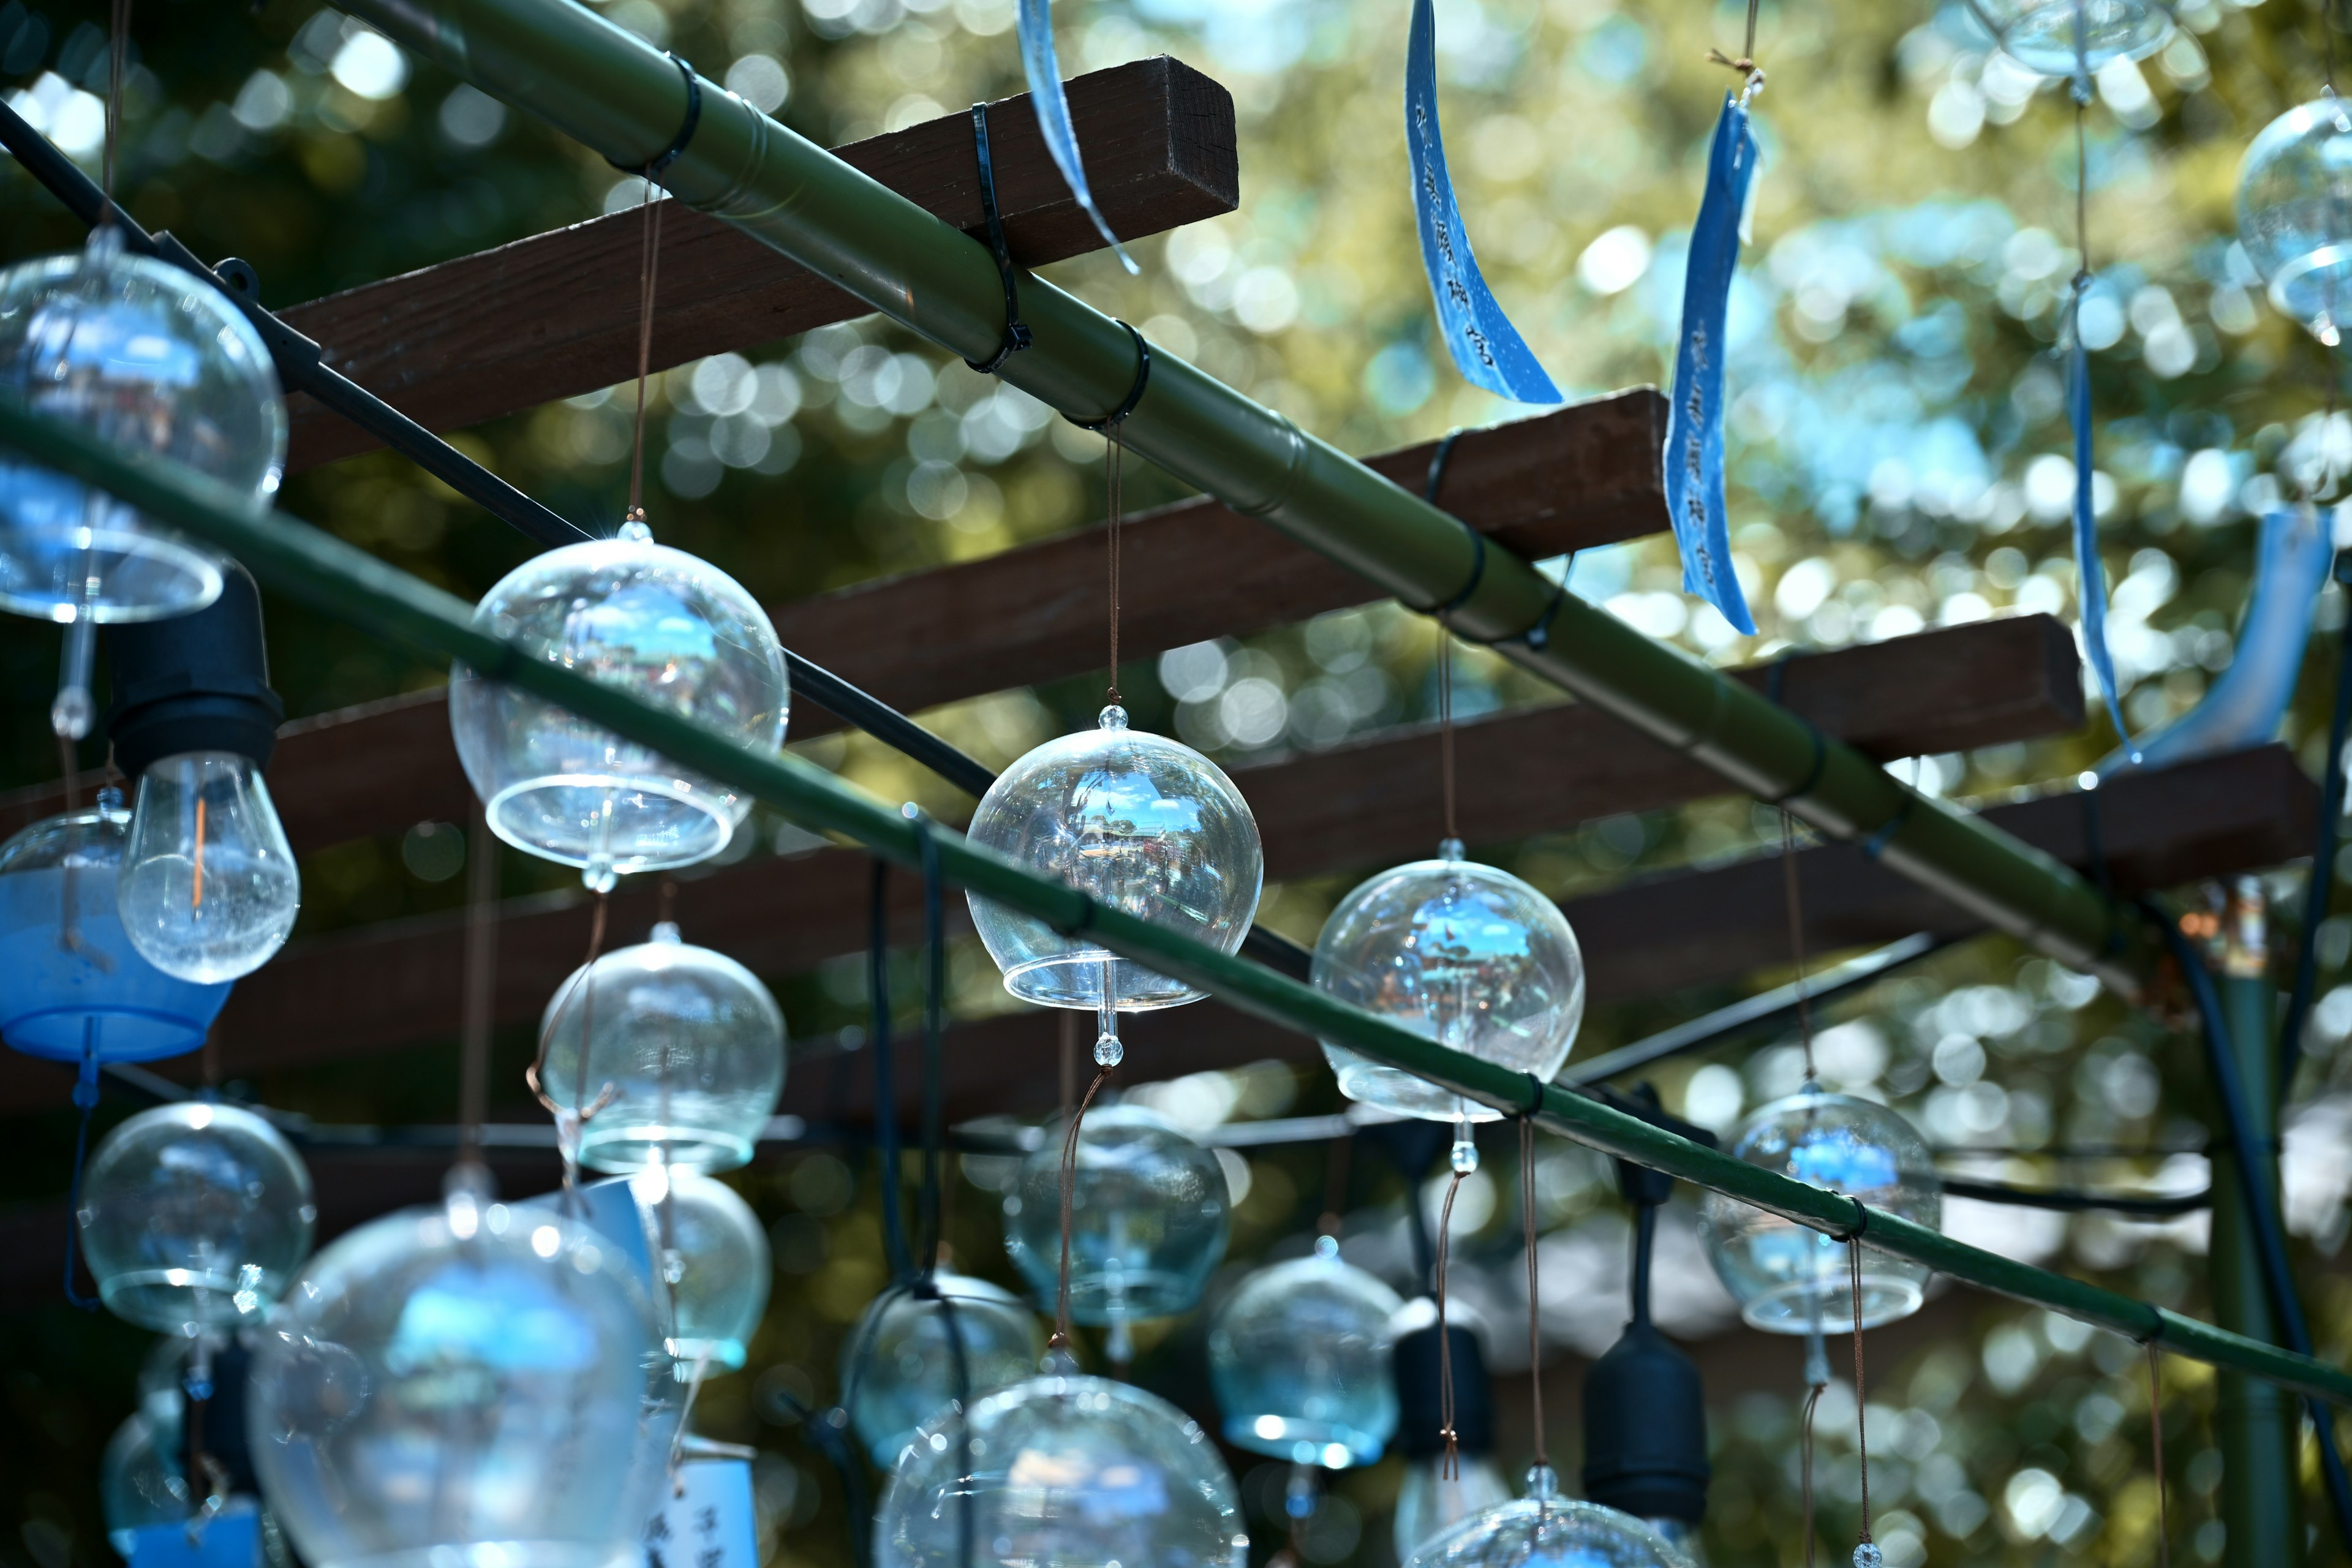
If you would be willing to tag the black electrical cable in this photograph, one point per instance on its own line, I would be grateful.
(2067, 1200)
(825, 1429)
(2270, 1235)
(301, 368)
(886, 1084)
(2319, 890)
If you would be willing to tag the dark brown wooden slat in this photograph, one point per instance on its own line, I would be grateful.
(1530, 772)
(1570, 479)
(382, 987)
(2249, 809)
(557, 315)
(1578, 476)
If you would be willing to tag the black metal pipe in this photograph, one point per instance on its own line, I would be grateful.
(2319, 890)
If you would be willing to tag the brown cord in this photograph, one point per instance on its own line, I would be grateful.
(1745, 64)
(648, 270)
(1112, 452)
(1335, 1185)
(1796, 934)
(2156, 1441)
(536, 1074)
(1527, 1215)
(1805, 1464)
(1061, 1337)
(1861, 1423)
(117, 60)
(481, 966)
(1445, 725)
(1450, 1469)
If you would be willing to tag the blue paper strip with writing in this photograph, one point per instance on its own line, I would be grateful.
(1695, 422)
(1486, 348)
(2090, 577)
(1035, 22)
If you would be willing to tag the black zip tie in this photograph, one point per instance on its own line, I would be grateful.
(1016, 330)
(653, 168)
(1134, 393)
(1860, 1225)
(1439, 461)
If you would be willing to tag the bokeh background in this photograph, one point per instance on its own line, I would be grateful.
(1899, 461)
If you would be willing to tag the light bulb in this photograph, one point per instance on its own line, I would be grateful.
(1428, 1504)
(208, 888)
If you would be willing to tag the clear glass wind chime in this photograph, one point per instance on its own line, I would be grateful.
(1465, 953)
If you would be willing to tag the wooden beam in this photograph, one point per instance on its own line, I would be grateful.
(2236, 813)
(1570, 479)
(557, 314)
(378, 987)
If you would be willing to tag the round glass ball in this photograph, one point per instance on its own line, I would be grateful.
(670, 629)
(905, 1358)
(153, 360)
(1791, 1280)
(1143, 824)
(1150, 1212)
(2074, 38)
(2295, 215)
(459, 1385)
(193, 1216)
(684, 1047)
(1428, 1503)
(714, 1258)
(1061, 1471)
(140, 1479)
(70, 981)
(1546, 1528)
(1465, 954)
(1298, 1358)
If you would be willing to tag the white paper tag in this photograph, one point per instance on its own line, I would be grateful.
(705, 1520)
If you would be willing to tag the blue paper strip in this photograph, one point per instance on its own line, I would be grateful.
(1035, 23)
(2244, 707)
(1694, 421)
(2090, 576)
(1487, 348)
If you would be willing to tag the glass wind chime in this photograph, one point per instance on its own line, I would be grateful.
(1463, 953)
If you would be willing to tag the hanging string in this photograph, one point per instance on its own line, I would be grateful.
(1805, 1463)
(1450, 1469)
(118, 57)
(1867, 1552)
(1060, 1341)
(2156, 1442)
(885, 1076)
(481, 966)
(1745, 64)
(1446, 727)
(1527, 1234)
(85, 1099)
(1112, 451)
(648, 270)
(571, 1124)
(1796, 934)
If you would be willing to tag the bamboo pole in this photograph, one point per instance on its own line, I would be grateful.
(617, 94)
(339, 579)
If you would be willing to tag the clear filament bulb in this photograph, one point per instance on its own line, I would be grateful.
(208, 888)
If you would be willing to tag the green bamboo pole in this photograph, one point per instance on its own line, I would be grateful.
(339, 579)
(2258, 1428)
(621, 97)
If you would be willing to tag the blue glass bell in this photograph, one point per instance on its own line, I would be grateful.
(72, 985)
(1300, 1359)
(900, 1366)
(1148, 1218)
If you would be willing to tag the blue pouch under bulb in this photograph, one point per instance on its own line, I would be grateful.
(230, 1539)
